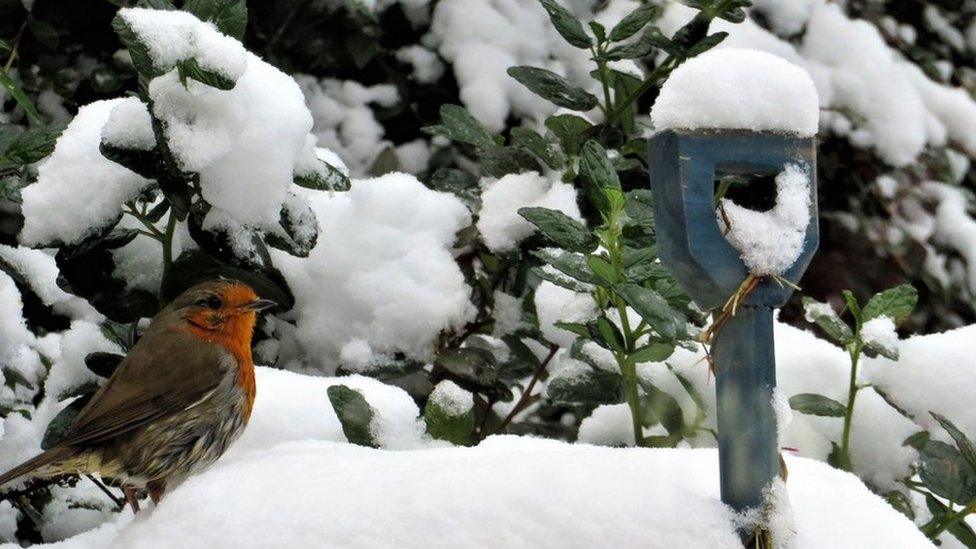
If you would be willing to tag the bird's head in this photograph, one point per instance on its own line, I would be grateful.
(220, 310)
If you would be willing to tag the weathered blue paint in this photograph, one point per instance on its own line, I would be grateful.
(682, 172)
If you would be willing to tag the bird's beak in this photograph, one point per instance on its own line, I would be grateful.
(259, 305)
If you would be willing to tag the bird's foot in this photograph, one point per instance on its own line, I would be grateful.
(131, 497)
(156, 490)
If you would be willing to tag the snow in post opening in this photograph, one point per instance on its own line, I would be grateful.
(770, 241)
(738, 89)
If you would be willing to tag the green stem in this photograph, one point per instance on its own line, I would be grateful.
(952, 519)
(852, 389)
(602, 68)
(648, 83)
(629, 372)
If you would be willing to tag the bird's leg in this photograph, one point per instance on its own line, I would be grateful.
(156, 490)
(130, 496)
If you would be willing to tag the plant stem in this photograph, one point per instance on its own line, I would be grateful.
(602, 68)
(168, 250)
(852, 389)
(628, 370)
(523, 400)
(648, 83)
(952, 519)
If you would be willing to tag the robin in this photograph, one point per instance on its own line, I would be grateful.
(173, 406)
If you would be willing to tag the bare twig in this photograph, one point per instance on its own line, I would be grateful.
(523, 400)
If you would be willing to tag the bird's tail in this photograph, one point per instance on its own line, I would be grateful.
(58, 453)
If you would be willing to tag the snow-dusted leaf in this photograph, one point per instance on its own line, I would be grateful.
(817, 405)
(539, 146)
(946, 473)
(457, 124)
(572, 264)
(298, 226)
(963, 443)
(472, 368)
(329, 179)
(58, 428)
(654, 309)
(33, 144)
(230, 16)
(354, 413)
(897, 303)
(148, 164)
(823, 315)
(138, 50)
(554, 88)
(566, 25)
(660, 407)
(449, 414)
(633, 22)
(566, 232)
(190, 68)
(590, 386)
(568, 128)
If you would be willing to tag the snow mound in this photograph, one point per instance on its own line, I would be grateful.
(771, 241)
(499, 222)
(78, 191)
(733, 88)
(537, 493)
(381, 278)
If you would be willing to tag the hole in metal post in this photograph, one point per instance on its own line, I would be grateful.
(755, 191)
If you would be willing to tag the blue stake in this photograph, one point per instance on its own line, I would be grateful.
(683, 166)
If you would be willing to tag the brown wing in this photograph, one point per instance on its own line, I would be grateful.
(167, 371)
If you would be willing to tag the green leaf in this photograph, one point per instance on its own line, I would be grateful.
(581, 330)
(960, 529)
(599, 31)
(457, 182)
(568, 128)
(609, 335)
(19, 96)
(706, 44)
(539, 146)
(560, 279)
(59, 427)
(43, 32)
(457, 124)
(590, 386)
(855, 309)
(230, 16)
(602, 269)
(963, 443)
(386, 162)
(946, 473)
(660, 407)
(554, 88)
(148, 164)
(565, 231)
(472, 368)
(190, 68)
(14, 377)
(499, 160)
(566, 25)
(652, 352)
(897, 303)
(446, 424)
(572, 264)
(917, 440)
(299, 228)
(138, 50)
(596, 168)
(354, 413)
(824, 316)
(34, 144)
(331, 180)
(103, 364)
(654, 309)
(633, 22)
(817, 405)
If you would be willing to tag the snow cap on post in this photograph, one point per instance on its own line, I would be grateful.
(731, 88)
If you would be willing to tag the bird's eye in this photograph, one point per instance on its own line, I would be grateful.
(214, 302)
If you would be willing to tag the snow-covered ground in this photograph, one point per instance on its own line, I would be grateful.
(305, 487)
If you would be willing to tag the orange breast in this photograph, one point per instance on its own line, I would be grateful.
(236, 338)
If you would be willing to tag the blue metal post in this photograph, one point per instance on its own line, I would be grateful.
(682, 169)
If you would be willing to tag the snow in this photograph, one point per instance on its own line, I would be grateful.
(731, 88)
(172, 36)
(380, 272)
(933, 373)
(78, 191)
(344, 122)
(245, 142)
(129, 126)
(880, 332)
(608, 425)
(13, 330)
(771, 241)
(557, 304)
(427, 67)
(41, 273)
(450, 398)
(499, 223)
(283, 472)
